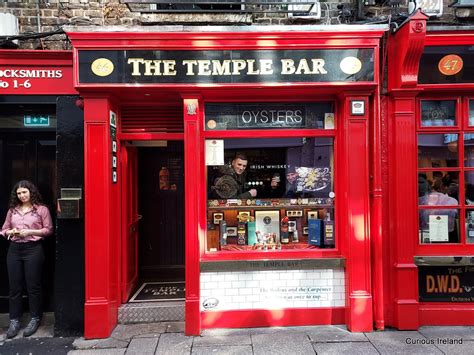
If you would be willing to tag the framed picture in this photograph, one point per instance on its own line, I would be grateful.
(114, 161)
(305, 230)
(217, 217)
(114, 146)
(232, 231)
(294, 213)
(312, 214)
(357, 107)
(268, 222)
(243, 216)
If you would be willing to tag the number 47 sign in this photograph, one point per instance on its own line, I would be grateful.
(450, 64)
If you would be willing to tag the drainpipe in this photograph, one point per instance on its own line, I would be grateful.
(38, 17)
(376, 215)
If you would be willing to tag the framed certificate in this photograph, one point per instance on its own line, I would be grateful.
(268, 222)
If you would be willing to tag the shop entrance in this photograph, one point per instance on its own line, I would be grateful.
(32, 156)
(160, 191)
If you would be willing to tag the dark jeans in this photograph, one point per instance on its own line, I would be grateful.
(25, 265)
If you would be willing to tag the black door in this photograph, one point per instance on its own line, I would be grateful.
(31, 156)
(161, 203)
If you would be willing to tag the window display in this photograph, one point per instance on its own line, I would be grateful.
(272, 194)
(445, 173)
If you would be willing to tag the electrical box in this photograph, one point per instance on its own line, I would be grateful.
(305, 10)
(9, 25)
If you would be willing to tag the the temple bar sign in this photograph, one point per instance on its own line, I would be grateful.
(225, 67)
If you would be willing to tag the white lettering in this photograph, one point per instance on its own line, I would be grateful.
(135, 65)
(189, 64)
(287, 66)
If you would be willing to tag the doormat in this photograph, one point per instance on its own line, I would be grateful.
(159, 291)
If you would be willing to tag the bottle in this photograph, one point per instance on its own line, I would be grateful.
(164, 176)
(223, 232)
(284, 238)
(251, 231)
(241, 233)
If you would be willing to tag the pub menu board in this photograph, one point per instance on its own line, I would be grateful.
(446, 65)
(446, 283)
(223, 116)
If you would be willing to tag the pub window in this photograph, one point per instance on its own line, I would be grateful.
(270, 194)
(445, 172)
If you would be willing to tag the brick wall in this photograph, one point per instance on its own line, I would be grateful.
(272, 289)
(55, 13)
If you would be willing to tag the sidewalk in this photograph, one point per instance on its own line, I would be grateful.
(168, 338)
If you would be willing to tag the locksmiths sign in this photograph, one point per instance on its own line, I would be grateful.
(225, 67)
(446, 283)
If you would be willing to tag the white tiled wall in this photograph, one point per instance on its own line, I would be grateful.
(231, 290)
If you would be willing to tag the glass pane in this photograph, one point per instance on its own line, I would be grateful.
(439, 226)
(271, 194)
(471, 112)
(469, 149)
(437, 188)
(470, 226)
(469, 190)
(438, 113)
(241, 116)
(437, 150)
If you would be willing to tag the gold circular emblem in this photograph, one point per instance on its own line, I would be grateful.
(211, 124)
(350, 65)
(450, 64)
(102, 67)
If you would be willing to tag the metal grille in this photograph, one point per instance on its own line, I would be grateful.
(299, 7)
(152, 119)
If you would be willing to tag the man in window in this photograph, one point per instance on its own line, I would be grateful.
(231, 182)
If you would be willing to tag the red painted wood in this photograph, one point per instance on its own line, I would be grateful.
(102, 222)
(130, 221)
(193, 184)
(226, 40)
(37, 60)
(376, 217)
(359, 315)
(446, 314)
(404, 52)
(150, 136)
(403, 207)
(273, 318)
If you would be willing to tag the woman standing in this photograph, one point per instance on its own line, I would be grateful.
(28, 221)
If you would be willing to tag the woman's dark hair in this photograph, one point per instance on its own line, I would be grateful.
(35, 196)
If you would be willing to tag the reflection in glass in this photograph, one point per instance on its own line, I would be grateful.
(438, 188)
(271, 194)
(437, 150)
(273, 168)
(439, 225)
(438, 113)
(469, 149)
(470, 226)
(471, 112)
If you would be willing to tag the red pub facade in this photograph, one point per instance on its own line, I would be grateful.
(329, 225)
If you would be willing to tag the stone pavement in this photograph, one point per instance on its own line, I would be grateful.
(168, 338)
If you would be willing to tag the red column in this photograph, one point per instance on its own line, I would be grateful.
(403, 209)
(193, 179)
(102, 231)
(355, 173)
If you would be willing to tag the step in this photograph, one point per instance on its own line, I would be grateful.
(145, 312)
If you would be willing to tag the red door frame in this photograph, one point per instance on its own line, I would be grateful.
(405, 49)
(102, 251)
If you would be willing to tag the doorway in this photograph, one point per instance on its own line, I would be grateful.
(31, 156)
(161, 205)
